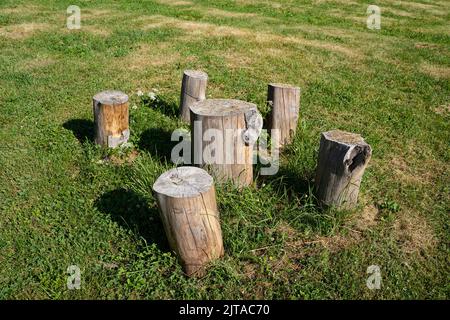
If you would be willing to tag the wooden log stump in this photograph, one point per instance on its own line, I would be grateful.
(343, 157)
(111, 118)
(284, 101)
(186, 199)
(193, 89)
(223, 134)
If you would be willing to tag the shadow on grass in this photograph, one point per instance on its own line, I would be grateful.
(157, 142)
(285, 178)
(131, 211)
(82, 129)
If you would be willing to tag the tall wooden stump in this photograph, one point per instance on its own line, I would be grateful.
(343, 157)
(111, 118)
(186, 198)
(284, 100)
(193, 89)
(223, 134)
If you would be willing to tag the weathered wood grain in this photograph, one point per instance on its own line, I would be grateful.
(343, 157)
(193, 89)
(111, 118)
(186, 199)
(284, 101)
(224, 132)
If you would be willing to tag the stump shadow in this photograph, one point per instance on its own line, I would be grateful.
(82, 129)
(157, 142)
(294, 182)
(131, 211)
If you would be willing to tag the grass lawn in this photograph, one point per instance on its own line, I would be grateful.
(64, 201)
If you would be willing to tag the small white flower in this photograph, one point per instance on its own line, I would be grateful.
(140, 93)
(152, 95)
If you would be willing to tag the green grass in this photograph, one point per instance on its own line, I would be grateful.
(61, 203)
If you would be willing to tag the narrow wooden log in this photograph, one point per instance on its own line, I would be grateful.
(111, 118)
(284, 101)
(224, 132)
(193, 89)
(343, 157)
(186, 199)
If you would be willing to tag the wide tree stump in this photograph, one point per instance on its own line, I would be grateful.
(284, 101)
(186, 199)
(193, 89)
(343, 157)
(224, 132)
(111, 118)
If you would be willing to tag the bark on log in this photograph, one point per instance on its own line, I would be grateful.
(111, 118)
(343, 157)
(186, 199)
(224, 132)
(193, 89)
(284, 101)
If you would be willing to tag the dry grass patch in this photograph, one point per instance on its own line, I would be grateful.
(273, 4)
(435, 71)
(98, 13)
(422, 45)
(340, 2)
(149, 56)
(227, 14)
(208, 11)
(296, 248)
(96, 30)
(413, 233)
(175, 2)
(194, 30)
(23, 30)
(23, 10)
(425, 8)
(405, 172)
(415, 5)
(36, 63)
(443, 109)
(367, 218)
(235, 59)
(397, 12)
(207, 29)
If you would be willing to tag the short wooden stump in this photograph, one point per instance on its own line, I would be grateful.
(343, 157)
(186, 199)
(193, 89)
(224, 132)
(284, 101)
(111, 118)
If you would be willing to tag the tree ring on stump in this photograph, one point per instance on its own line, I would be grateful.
(183, 182)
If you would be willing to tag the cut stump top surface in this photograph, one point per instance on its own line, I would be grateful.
(344, 137)
(196, 74)
(183, 182)
(111, 97)
(284, 85)
(221, 107)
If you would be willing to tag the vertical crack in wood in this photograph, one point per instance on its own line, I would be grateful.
(190, 228)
